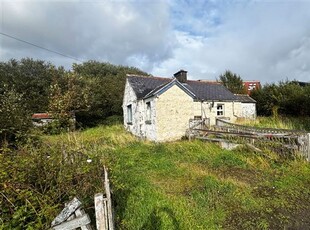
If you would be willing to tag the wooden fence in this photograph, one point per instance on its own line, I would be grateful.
(197, 124)
(103, 207)
(74, 217)
(289, 140)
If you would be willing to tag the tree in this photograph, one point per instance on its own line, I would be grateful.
(284, 98)
(31, 78)
(67, 98)
(233, 82)
(107, 83)
(42, 85)
(15, 121)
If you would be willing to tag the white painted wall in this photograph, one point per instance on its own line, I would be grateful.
(150, 128)
(139, 126)
(41, 122)
(130, 98)
(248, 110)
(232, 110)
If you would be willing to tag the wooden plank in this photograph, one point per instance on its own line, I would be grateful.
(105, 209)
(210, 139)
(72, 224)
(80, 212)
(100, 212)
(246, 135)
(308, 147)
(73, 205)
(70, 217)
(109, 201)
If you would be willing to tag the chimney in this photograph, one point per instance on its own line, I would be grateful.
(181, 76)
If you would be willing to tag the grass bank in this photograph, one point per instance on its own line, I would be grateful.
(190, 184)
(297, 123)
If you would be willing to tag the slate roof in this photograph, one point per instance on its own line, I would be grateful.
(41, 116)
(144, 86)
(244, 98)
(210, 91)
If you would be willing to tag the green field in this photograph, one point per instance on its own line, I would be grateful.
(177, 185)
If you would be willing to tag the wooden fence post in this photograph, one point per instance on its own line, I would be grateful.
(109, 200)
(103, 207)
(100, 211)
(308, 146)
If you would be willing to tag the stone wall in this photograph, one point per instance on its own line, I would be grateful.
(139, 126)
(174, 108)
(131, 99)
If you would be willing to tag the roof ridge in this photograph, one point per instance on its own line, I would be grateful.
(148, 76)
(157, 88)
(205, 82)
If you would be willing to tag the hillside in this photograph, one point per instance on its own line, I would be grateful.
(178, 185)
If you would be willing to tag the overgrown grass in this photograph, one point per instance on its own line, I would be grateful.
(300, 123)
(191, 184)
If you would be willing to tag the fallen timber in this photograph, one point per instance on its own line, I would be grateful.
(73, 217)
(294, 141)
(249, 135)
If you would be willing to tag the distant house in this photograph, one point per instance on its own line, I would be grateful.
(251, 85)
(159, 109)
(41, 119)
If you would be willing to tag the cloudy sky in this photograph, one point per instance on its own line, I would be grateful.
(266, 40)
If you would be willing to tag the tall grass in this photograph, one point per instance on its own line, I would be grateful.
(197, 185)
(193, 184)
(301, 123)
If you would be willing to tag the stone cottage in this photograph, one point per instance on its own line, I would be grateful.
(159, 109)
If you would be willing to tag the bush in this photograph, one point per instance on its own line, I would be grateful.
(36, 183)
(14, 119)
(113, 120)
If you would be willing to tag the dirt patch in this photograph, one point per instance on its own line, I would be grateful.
(277, 211)
(299, 214)
(263, 191)
(269, 218)
(245, 176)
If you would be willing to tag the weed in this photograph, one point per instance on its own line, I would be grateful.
(177, 185)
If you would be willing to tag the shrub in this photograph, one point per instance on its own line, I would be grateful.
(14, 119)
(36, 183)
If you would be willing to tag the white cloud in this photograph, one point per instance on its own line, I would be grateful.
(268, 41)
(114, 31)
(264, 40)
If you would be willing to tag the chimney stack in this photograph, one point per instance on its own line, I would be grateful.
(181, 76)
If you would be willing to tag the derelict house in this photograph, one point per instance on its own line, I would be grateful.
(159, 109)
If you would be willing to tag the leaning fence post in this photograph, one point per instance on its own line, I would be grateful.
(109, 201)
(308, 146)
